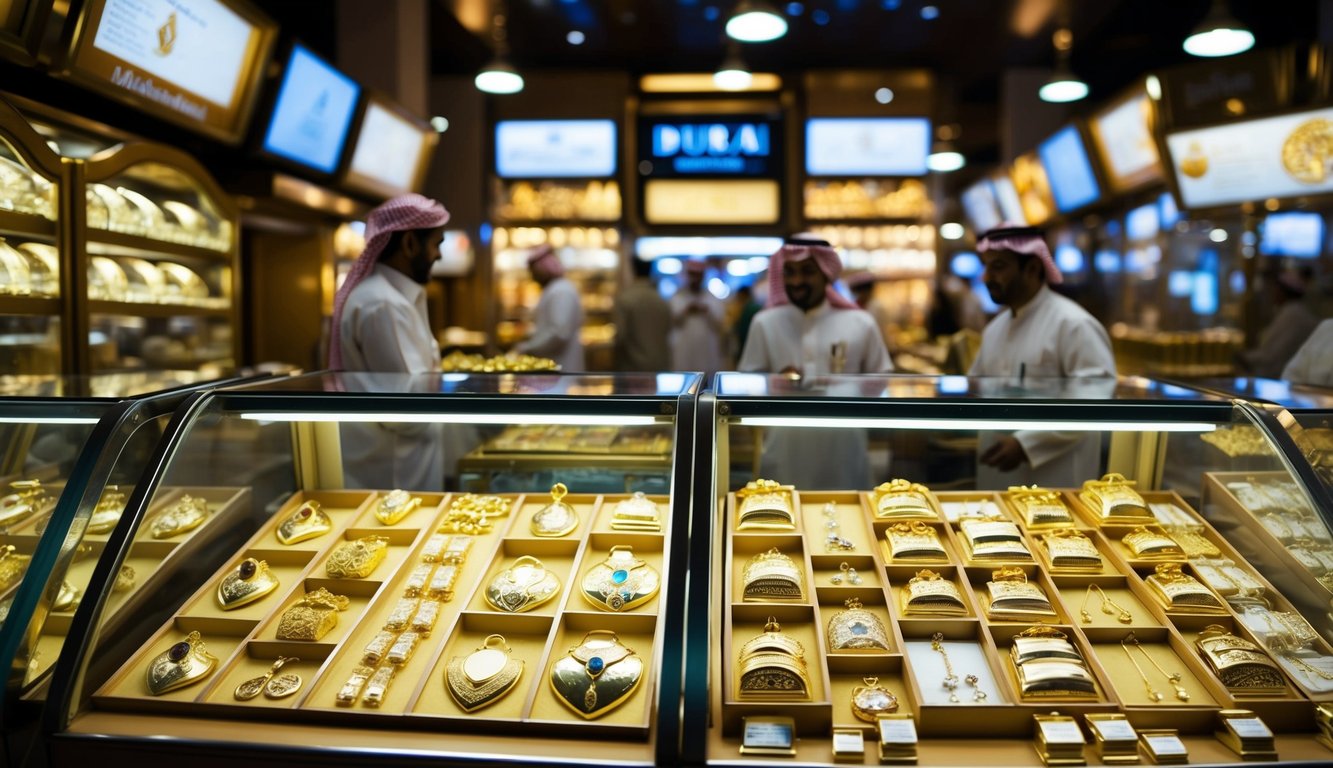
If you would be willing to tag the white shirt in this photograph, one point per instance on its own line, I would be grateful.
(556, 322)
(1049, 337)
(816, 342)
(1313, 362)
(384, 328)
(696, 337)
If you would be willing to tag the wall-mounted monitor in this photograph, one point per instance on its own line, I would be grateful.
(1297, 234)
(718, 146)
(1069, 172)
(1006, 195)
(1273, 157)
(312, 114)
(549, 149)
(196, 64)
(1032, 188)
(981, 207)
(1123, 136)
(392, 151)
(867, 146)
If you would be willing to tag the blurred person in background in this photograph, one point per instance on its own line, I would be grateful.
(1312, 365)
(747, 306)
(698, 320)
(862, 286)
(558, 317)
(1292, 324)
(643, 322)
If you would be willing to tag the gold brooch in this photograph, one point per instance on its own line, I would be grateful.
(185, 515)
(772, 666)
(184, 663)
(356, 559)
(28, 498)
(12, 566)
(621, 582)
(271, 684)
(522, 586)
(772, 575)
(856, 629)
(598, 675)
(307, 522)
(395, 505)
(903, 500)
(250, 581)
(484, 676)
(311, 617)
(871, 700)
(637, 513)
(765, 505)
(108, 510)
(557, 518)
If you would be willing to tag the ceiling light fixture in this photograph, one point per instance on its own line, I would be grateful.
(1219, 34)
(499, 76)
(733, 75)
(1063, 86)
(755, 21)
(943, 158)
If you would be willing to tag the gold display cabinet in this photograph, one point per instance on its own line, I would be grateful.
(340, 601)
(966, 613)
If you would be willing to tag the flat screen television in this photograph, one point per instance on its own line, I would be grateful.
(1123, 137)
(1296, 234)
(1073, 182)
(312, 114)
(197, 64)
(549, 149)
(867, 146)
(1033, 188)
(1006, 195)
(1273, 157)
(981, 207)
(716, 146)
(392, 150)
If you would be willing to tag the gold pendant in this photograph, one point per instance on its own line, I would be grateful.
(357, 559)
(250, 581)
(396, 505)
(307, 522)
(185, 515)
(622, 582)
(871, 700)
(522, 586)
(184, 663)
(557, 518)
(597, 676)
(311, 617)
(271, 686)
(108, 510)
(484, 676)
(12, 566)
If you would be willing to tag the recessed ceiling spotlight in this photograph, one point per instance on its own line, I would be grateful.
(755, 21)
(575, 37)
(1219, 34)
(884, 95)
(929, 12)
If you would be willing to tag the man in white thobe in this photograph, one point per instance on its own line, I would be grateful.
(380, 325)
(697, 321)
(1038, 335)
(1312, 364)
(558, 318)
(810, 329)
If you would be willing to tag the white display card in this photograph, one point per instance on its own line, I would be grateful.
(897, 730)
(767, 733)
(1061, 732)
(1114, 730)
(1165, 744)
(1249, 728)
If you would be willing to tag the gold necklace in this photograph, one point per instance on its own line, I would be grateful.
(1109, 607)
(1173, 677)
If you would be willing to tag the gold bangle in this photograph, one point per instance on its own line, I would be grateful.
(1147, 543)
(1240, 664)
(1068, 549)
(1013, 598)
(1041, 507)
(1114, 499)
(915, 541)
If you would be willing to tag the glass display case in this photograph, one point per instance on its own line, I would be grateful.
(342, 599)
(938, 611)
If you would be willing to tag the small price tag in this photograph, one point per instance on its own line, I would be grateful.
(1250, 728)
(1061, 732)
(897, 731)
(768, 734)
(1165, 745)
(1114, 730)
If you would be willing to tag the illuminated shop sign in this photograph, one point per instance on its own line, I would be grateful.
(709, 148)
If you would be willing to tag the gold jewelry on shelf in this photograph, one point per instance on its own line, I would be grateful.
(994, 538)
(901, 499)
(1108, 607)
(1146, 543)
(418, 579)
(1179, 592)
(930, 594)
(473, 514)
(1068, 549)
(402, 649)
(308, 521)
(107, 513)
(12, 566)
(378, 646)
(772, 575)
(598, 675)
(1243, 667)
(180, 665)
(621, 582)
(637, 513)
(1014, 598)
(442, 583)
(915, 541)
(871, 700)
(1049, 666)
(834, 541)
(557, 518)
(1114, 500)
(1040, 507)
(974, 683)
(846, 575)
(311, 617)
(250, 581)
(357, 559)
(395, 505)
(188, 513)
(28, 497)
(442, 548)
(378, 685)
(856, 629)
(67, 599)
(351, 690)
(772, 666)
(766, 505)
(522, 586)
(1228, 579)
(484, 676)
(1172, 677)
(1192, 542)
(402, 613)
(423, 621)
(950, 681)
(124, 579)
(270, 684)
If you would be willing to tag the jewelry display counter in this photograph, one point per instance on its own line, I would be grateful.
(1010, 624)
(411, 623)
(638, 456)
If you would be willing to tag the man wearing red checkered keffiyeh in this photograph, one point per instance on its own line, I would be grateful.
(379, 314)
